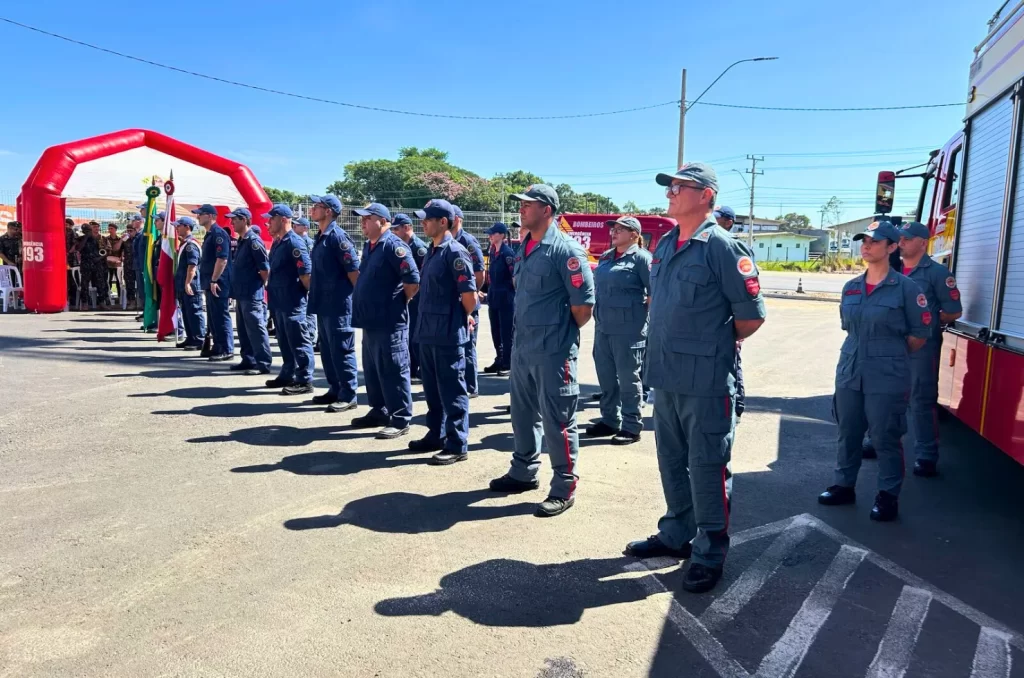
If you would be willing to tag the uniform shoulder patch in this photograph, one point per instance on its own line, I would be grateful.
(220, 240)
(400, 251)
(345, 247)
(950, 282)
(573, 264)
(508, 260)
(459, 264)
(255, 245)
(704, 235)
(926, 317)
(922, 301)
(421, 252)
(745, 265)
(296, 253)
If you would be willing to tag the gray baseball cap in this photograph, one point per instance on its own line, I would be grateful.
(539, 193)
(696, 172)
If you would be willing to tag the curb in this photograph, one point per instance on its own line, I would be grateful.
(798, 297)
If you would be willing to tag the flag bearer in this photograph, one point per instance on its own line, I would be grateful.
(886, 318)
(447, 298)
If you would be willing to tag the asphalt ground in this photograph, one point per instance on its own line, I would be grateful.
(161, 516)
(787, 281)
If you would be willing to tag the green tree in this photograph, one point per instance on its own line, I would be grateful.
(287, 197)
(793, 222)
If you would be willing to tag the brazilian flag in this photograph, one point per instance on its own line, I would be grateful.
(149, 313)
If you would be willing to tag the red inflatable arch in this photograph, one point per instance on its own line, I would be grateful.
(42, 213)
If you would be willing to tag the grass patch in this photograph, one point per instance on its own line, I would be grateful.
(805, 266)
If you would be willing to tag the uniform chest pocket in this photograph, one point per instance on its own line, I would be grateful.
(690, 280)
(890, 311)
(534, 273)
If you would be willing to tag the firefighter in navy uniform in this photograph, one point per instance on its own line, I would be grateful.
(939, 287)
(705, 295)
(477, 255)
(447, 299)
(886, 318)
(402, 227)
(500, 298)
(335, 274)
(215, 276)
(186, 285)
(288, 289)
(388, 278)
(250, 270)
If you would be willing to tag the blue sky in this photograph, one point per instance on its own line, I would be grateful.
(533, 58)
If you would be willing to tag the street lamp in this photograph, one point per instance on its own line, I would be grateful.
(683, 108)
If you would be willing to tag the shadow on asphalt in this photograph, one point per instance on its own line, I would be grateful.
(333, 463)
(290, 436)
(408, 513)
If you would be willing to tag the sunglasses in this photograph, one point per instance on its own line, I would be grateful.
(675, 189)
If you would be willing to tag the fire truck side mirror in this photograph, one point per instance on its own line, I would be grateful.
(884, 192)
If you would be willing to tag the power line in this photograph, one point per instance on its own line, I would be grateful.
(378, 109)
(381, 109)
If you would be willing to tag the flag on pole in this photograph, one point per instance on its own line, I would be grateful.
(149, 313)
(168, 320)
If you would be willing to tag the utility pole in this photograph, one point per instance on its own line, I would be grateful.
(682, 120)
(753, 172)
(503, 200)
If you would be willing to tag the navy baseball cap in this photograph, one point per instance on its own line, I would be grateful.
(697, 172)
(301, 221)
(239, 212)
(538, 193)
(498, 228)
(329, 201)
(206, 209)
(189, 222)
(142, 206)
(256, 230)
(137, 217)
(915, 229)
(161, 215)
(458, 212)
(632, 223)
(401, 219)
(376, 209)
(879, 230)
(435, 209)
(279, 210)
(726, 213)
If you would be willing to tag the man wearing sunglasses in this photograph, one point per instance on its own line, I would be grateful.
(705, 295)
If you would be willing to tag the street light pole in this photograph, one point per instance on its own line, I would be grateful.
(683, 108)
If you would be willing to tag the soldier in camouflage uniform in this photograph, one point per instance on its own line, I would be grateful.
(10, 245)
(128, 262)
(71, 252)
(94, 265)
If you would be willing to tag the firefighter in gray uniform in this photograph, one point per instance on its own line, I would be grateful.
(705, 295)
(623, 282)
(886, 318)
(939, 287)
(554, 299)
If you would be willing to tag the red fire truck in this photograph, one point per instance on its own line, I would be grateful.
(972, 200)
(590, 231)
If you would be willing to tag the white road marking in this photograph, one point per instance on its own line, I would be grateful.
(897, 646)
(716, 655)
(952, 602)
(789, 651)
(722, 611)
(760, 531)
(992, 656)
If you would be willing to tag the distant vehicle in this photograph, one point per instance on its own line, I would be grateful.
(847, 245)
(971, 202)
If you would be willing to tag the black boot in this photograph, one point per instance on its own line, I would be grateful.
(837, 495)
(886, 508)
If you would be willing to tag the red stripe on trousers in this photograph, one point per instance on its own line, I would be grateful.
(725, 500)
(565, 438)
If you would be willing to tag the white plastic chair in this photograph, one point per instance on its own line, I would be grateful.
(76, 277)
(120, 288)
(10, 285)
